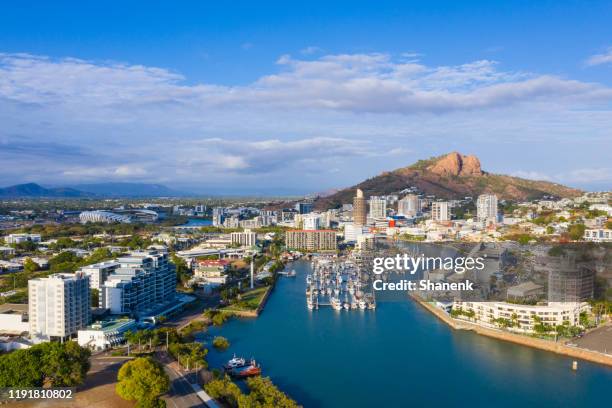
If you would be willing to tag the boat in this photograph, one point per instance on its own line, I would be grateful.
(362, 304)
(346, 306)
(292, 273)
(235, 362)
(335, 303)
(247, 371)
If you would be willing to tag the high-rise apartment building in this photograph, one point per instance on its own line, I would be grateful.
(218, 216)
(486, 208)
(319, 240)
(440, 211)
(143, 282)
(378, 207)
(304, 207)
(99, 272)
(409, 206)
(246, 238)
(360, 212)
(59, 305)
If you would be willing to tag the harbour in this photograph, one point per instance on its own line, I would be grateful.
(338, 284)
(398, 355)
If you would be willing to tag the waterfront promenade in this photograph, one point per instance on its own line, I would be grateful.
(555, 347)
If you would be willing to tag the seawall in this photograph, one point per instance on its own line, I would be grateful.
(558, 348)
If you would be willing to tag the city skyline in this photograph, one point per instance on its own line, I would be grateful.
(170, 95)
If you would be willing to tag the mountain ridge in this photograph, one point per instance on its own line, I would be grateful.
(34, 190)
(449, 176)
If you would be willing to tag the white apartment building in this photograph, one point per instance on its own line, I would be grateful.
(143, 283)
(19, 238)
(598, 235)
(99, 272)
(409, 206)
(352, 232)
(311, 221)
(378, 207)
(553, 314)
(440, 211)
(486, 208)
(247, 238)
(59, 305)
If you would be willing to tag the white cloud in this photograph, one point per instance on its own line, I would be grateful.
(531, 175)
(598, 59)
(311, 49)
(345, 82)
(66, 119)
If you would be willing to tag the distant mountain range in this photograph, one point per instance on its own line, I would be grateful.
(451, 176)
(128, 190)
(33, 190)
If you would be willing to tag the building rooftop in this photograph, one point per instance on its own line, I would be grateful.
(13, 308)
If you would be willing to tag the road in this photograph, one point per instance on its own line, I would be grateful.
(599, 340)
(181, 394)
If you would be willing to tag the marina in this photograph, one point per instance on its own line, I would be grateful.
(338, 284)
(330, 352)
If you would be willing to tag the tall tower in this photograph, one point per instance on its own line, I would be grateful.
(360, 211)
(59, 304)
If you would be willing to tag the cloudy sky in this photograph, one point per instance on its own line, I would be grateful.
(275, 100)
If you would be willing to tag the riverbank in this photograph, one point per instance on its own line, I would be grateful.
(558, 348)
(250, 313)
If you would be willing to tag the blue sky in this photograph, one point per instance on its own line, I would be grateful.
(272, 97)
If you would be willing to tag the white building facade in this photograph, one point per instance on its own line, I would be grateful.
(59, 305)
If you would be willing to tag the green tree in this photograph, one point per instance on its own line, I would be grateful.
(95, 297)
(30, 266)
(263, 393)
(21, 368)
(224, 390)
(142, 380)
(221, 343)
(64, 365)
(576, 231)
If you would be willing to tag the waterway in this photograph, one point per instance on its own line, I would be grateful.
(197, 222)
(399, 356)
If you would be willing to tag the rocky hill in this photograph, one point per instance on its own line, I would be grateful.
(450, 176)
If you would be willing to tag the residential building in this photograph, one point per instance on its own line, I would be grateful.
(212, 272)
(360, 212)
(59, 305)
(19, 238)
(311, 240)
(486, 209)
(99, 272)
(143, 283)
(598, 235)
(304, 207)
(523, 316)
(311, 221)
(440, 211)
(218, 216)
(409, 206)
(570, 281)
(378, 207)
(247, 238)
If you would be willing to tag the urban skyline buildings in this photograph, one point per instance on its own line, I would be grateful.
(360, 212)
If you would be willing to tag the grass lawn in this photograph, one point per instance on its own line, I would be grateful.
(250, 300)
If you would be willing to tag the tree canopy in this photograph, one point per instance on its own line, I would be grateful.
(142, 380)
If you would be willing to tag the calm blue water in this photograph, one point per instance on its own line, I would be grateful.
(400, 356)
(197, 222)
